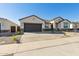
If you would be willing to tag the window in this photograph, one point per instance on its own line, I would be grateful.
(65, 25)
(46, 26)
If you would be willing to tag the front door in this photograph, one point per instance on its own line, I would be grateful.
(51, 26)
(0, 27)
(13, 29)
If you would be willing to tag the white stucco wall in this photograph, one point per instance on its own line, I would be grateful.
(32, 19)
(71, 26)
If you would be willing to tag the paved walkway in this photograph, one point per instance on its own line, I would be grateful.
(16, 49)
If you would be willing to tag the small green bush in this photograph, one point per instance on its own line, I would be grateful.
(14, 38)
(65, 34)
(18, 32)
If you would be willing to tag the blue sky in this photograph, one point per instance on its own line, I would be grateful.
(46, 11)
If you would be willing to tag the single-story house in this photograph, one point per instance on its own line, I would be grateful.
(60, 23)
(7, 25)
(34, 23)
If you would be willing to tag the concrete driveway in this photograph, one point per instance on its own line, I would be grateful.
(39, 36)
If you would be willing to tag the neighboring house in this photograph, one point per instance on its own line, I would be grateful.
(75, 25)
(60, 23)
(7, 25)
(32, 23)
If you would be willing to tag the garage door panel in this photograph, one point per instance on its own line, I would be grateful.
(32, 27)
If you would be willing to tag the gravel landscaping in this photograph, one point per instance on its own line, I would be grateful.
(7, 39)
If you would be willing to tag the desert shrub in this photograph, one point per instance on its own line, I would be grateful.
(19, 32)
(14, 38)
(66, 34)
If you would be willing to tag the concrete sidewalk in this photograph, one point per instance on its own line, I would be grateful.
(19, 48)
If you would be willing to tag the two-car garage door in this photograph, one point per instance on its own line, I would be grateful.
(32, 27)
